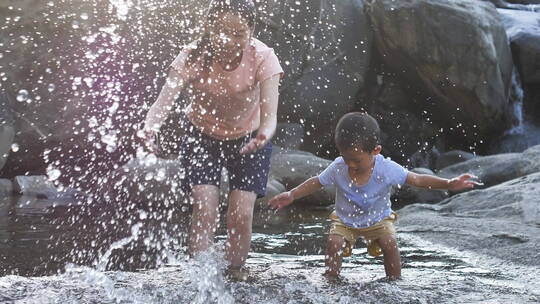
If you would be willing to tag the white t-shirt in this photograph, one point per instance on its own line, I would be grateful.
(361, 206)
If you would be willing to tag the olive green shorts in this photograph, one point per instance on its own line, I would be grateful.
(370, 234)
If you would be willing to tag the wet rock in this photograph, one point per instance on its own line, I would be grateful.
(516, 4)
(496, 169)
(7, 128)
(517, 199)
(41, 186)
(499, 221)
(264, 215)
(526, 2)
(289, 136)
(94, 64)
(425, 158)
(407, 195)
(291, 168)
(273, 188)
(404, 127)
(146, 180)
(6, 187)
(443, 48)
(452, 157)
(325, 49)
(523, 28)
(7, 133)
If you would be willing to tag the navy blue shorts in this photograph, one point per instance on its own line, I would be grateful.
(204, 157)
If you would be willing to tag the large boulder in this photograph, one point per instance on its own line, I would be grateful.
(289, 136)
(406, 195)
(7, 128)
(517, 4)
(457, 53)
(523, 29)
(43, 187)
(453, 157)
(501, 221)
(82, 73)
(145, 180)
(517, 199)
(291, 168)
(6, 188)
(325, 49)
(405, 129)
(496, 169)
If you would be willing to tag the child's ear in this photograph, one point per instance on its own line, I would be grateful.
(377, 150)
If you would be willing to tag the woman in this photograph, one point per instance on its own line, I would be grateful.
(231, 80)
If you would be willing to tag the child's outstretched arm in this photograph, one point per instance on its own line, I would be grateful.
(286, 198)
(433, 182)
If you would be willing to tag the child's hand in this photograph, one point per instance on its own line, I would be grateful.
(281, 200)
(463, 182)
(254, 144)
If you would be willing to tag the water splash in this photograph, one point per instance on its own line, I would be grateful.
(101, 262)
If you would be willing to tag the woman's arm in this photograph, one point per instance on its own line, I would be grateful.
(269, 105)
(159, 111)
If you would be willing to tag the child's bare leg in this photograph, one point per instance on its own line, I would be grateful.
(392, 259)
(204, 218)
(334, 252)
(239, 225)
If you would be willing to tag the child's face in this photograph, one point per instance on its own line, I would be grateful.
(230, 34)
(358, 160)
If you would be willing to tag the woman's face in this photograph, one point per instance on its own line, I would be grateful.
(229, 35)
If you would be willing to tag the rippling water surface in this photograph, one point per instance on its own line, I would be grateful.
(50, 253)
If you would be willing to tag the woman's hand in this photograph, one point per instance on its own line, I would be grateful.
(281, 200)
(254, 144)
(148, 138)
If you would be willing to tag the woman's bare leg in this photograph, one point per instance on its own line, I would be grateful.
(239, 225)
(205, 217)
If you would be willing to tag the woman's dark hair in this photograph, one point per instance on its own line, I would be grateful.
(357, 130)
(245, 8)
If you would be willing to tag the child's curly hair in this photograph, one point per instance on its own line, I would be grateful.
(357, 130)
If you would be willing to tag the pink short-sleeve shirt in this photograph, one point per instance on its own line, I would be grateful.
(225, 105)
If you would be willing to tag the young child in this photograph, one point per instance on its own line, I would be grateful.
(363, 179)
(231, 81)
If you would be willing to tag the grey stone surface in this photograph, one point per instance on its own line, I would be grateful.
(496, 169)
(501, 221)
(456, 51)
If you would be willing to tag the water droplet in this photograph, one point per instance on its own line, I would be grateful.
(23, 95)
(15, 147)
(53, 173)
(51, 87)
(160, 175)
(84, 16)
(89, 81)
(110, 141)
